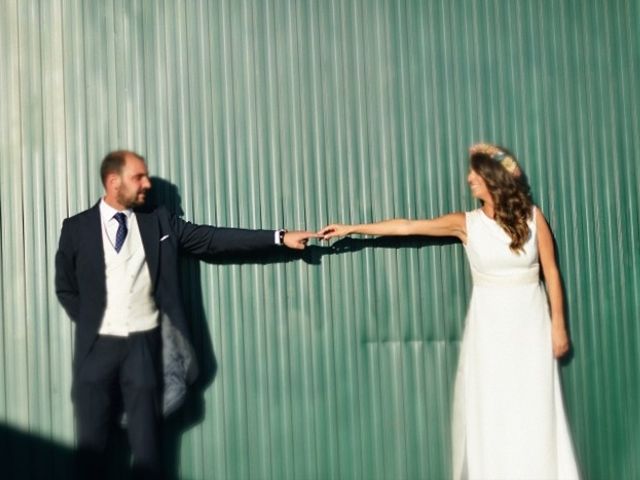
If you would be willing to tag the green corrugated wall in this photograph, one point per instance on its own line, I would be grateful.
(270, 113)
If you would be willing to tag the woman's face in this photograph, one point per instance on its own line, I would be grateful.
(478, 186)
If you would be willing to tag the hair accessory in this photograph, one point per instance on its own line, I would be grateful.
(496, 153)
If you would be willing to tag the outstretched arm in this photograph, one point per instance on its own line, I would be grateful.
(451, 225)
(210, 240)
(546, 251)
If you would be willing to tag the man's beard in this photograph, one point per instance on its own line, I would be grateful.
(132, 202)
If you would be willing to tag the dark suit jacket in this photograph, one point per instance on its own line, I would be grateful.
(81, 283)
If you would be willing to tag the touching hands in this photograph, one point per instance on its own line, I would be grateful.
(298, 239)
(334, 230)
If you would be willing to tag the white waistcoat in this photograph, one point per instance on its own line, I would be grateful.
(130, 303)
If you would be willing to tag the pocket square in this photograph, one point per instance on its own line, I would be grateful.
(163, 238)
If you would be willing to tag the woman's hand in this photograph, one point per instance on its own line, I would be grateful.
(560, 341)
(335, 230)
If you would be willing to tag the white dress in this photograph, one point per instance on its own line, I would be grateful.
(508, 415)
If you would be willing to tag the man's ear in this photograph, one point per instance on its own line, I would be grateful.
(112, 181)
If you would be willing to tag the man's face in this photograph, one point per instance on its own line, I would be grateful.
(134, 183)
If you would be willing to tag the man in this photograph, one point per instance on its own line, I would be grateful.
(117, 278)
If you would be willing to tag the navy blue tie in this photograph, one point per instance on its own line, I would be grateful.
(121, 234)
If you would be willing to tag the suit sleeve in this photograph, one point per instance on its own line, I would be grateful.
(210, 240)
(65, 279)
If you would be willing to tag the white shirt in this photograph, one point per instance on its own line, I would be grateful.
(110, 224)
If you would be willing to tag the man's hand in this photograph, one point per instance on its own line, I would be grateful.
(298, 240)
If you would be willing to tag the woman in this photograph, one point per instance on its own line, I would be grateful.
(508, 415)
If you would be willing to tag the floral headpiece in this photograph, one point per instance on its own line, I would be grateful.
(496, 153)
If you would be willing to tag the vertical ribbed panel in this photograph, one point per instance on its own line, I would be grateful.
(277, 113)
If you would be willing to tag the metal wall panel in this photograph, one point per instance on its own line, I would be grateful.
(270, 113)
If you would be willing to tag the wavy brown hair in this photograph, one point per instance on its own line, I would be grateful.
(511, 196)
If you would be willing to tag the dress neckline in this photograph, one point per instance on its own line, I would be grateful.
(486, 216)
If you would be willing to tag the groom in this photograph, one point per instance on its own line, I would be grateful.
(117, 279)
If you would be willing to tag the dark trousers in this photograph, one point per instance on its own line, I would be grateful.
(120, 371)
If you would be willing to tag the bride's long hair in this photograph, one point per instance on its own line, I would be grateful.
(509, 190)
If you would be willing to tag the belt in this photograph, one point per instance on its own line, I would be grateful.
(529, 277)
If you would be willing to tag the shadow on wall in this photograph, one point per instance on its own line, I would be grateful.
(24, 455)
(193, 412)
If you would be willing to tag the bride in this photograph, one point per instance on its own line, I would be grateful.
(508, 414)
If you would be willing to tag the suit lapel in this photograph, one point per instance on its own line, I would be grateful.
(150, 234)
(94, 237)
